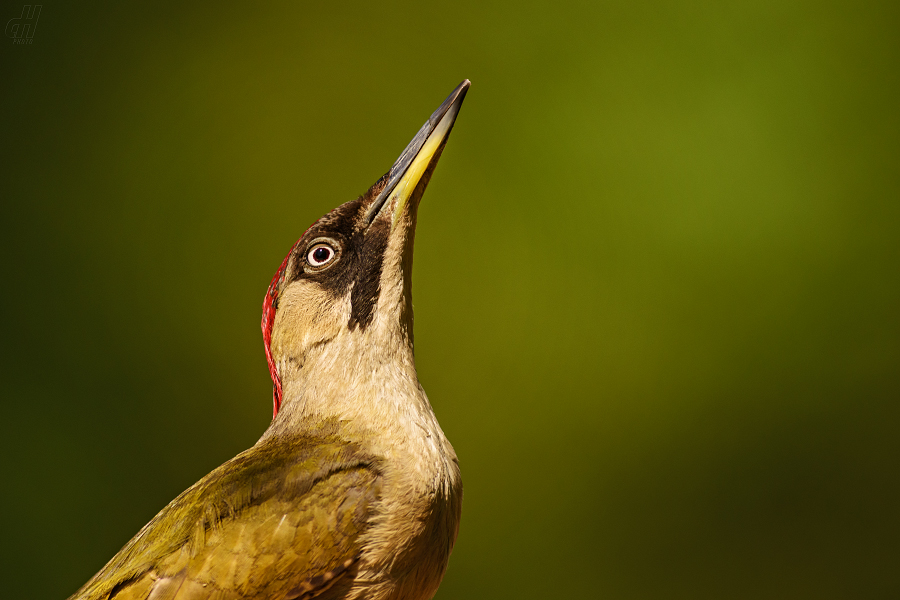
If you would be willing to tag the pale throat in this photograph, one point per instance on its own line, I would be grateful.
(363, 377)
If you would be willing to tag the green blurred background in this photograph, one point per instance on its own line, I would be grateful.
(657, 283)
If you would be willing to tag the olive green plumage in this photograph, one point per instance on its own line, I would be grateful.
(280, 520)
(353, 492)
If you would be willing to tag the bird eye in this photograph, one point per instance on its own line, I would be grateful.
(320, 254)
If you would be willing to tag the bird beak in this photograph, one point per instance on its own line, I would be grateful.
(408, 177)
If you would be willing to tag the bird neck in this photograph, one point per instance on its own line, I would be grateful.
(364, 376)
(364, 379)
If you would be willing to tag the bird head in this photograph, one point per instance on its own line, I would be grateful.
(340, 305)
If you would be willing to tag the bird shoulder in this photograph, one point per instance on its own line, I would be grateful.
(280, 520)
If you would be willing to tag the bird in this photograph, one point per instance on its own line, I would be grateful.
(353, 491)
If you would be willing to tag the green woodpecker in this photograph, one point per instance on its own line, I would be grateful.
(353, 491)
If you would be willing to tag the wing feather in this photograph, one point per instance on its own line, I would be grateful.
(280, 521)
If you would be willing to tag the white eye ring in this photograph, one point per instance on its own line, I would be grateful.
(320, 255)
